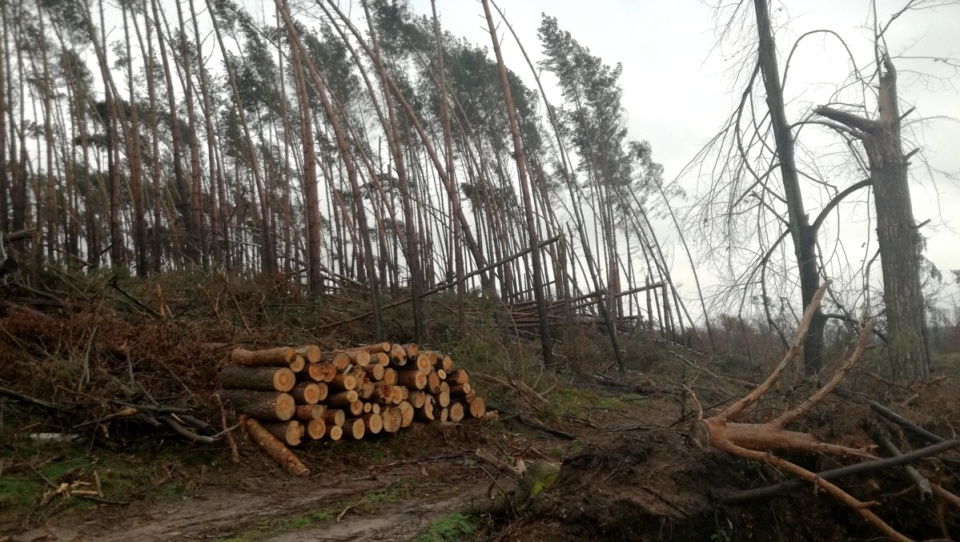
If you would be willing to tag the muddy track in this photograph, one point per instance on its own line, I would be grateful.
(225, 512)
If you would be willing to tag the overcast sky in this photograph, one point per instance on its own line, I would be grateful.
(678, 86)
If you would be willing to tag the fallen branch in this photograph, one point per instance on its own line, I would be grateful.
(549, 430)
(27, 399)
(882, 438)
(890, 415)
(784, 488)
(186, 433)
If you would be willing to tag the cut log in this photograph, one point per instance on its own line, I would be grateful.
(383, 359)
(456, 412)
(405, 392)
(412, 379)
(367, 407)
(367, 390)
(261, 405)
(411, 350)
(273, 357)
(441, 373)
(334, 417)
(377, 348)
(321, 372)
(358, 356)
(324, 391)
(275, 449)
(355, 408)
(307, 413)
(457, 376)
(355, 428)
(390, 376)
(342, 398)
(308, 393)
(257, 378)
(383, 393)
(339, 359)
(443, 399)
(460, 389)
(423, 363)
(374, 372)
(373, 422)
(426, 412)
(343, 382)
(444, 387)
(310, 352)
(289, 433)
(406, 413)
(444, 414)
(392, 419)
(433, 382)
(417, 398)
(398, 356)
(446, 363)
(298, 364)
(335, 433)
(397, 397)
(316, 429)
(375, 408)
(478, 407)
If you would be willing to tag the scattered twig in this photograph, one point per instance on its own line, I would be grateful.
(39, 402)
(234, 453)
(549, 430)
(186, 433)
(493, 461)
(113, 284)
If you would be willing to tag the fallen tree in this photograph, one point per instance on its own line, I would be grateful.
(760, 441)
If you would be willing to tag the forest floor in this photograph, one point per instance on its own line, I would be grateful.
(628, 470)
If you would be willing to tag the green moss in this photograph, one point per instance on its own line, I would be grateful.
(449, 528)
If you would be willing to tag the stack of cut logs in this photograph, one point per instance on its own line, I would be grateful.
(304, 393)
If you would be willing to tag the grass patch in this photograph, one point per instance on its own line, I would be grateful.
(29, 471)
(449, 528)
(576, 402)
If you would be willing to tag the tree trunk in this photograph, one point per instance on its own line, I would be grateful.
(183, 190)
(899, 240)
(539, 294)
(311, 199)
(804, 238)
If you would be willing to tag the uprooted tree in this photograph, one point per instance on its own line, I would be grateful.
(762, 441)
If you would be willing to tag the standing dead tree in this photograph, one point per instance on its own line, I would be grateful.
(763, 179)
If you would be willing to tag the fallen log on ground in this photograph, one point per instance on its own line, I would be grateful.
(275, 449)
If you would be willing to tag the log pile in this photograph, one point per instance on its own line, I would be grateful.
(302, 394)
